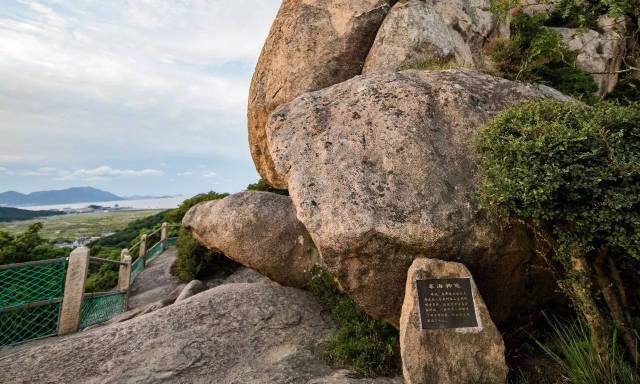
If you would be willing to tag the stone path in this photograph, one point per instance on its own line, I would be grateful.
(155, 281)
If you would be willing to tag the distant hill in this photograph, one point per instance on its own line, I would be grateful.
(63, 196)
(13, 214)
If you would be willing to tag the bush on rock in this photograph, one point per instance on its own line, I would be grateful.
(572, 172)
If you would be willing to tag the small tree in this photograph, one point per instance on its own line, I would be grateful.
(573, 173)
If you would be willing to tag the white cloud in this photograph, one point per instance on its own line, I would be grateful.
(93, 79)
(104, 173)
(208, 175)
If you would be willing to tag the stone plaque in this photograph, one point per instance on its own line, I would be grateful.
(446, 303)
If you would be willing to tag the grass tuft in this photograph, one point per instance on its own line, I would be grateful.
(369, 347)
(578, 360)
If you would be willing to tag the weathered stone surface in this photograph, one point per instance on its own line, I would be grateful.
(452, 356)
(247, 275)
(192, 288)
(234, 333)
(381, 171)
(312, 44)
(418, 31)
(599, 53)
(138, 311)
(258, 230)
(347, 377)
(155, 282)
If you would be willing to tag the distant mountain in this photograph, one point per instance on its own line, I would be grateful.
(12, 214)
(63, 196)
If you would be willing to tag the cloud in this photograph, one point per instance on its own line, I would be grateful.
(84, 82)
(208, 175)
(103, 173)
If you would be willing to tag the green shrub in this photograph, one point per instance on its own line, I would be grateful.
(572, 172)
(368, 346)
(27, 246)
(195, 261)
(263, 186)
(176, 215)
(535, 53)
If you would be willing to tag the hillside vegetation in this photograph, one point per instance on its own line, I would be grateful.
(14, 214)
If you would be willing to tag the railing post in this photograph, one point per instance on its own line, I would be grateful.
(163, 235)
(143, 250)
(124, 275)
(74, 291)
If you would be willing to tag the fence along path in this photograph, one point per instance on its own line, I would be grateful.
(46, 298)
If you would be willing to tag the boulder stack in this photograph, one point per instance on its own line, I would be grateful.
(258, 230)
(381, 171)
(312, 44)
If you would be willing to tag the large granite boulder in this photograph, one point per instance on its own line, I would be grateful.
(312, 44)
(381, 171)
(234, 333)
(419, 31)
(461, 355)
(258, 230)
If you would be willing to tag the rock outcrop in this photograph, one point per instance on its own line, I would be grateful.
(453, 356)
(258, 230)
(381, 171)
(312, 44)
(598, 53)
(234, 333)
(194, 287)
(418, 31)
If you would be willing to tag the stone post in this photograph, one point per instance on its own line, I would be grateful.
(143, 250)
(163, 235)
(74, 291)
(124, 274)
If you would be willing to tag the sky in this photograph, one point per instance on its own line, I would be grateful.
(137, 97)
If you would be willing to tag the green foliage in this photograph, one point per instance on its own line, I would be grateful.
(263, 186)
(627, 91)
(571, 169)
(176, 215)
(580, 363)
(12, 214)
(502, 8)
(124, 237)
(585, 13)
(194, 260)
(438, 64)
(27, 246)
(370, 347)
(535, 53)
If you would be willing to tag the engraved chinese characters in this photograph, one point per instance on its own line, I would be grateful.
(446, 303)
(446, 332)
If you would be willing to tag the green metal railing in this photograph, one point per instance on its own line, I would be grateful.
(31, 294)
(30, 297)
(100, 307)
